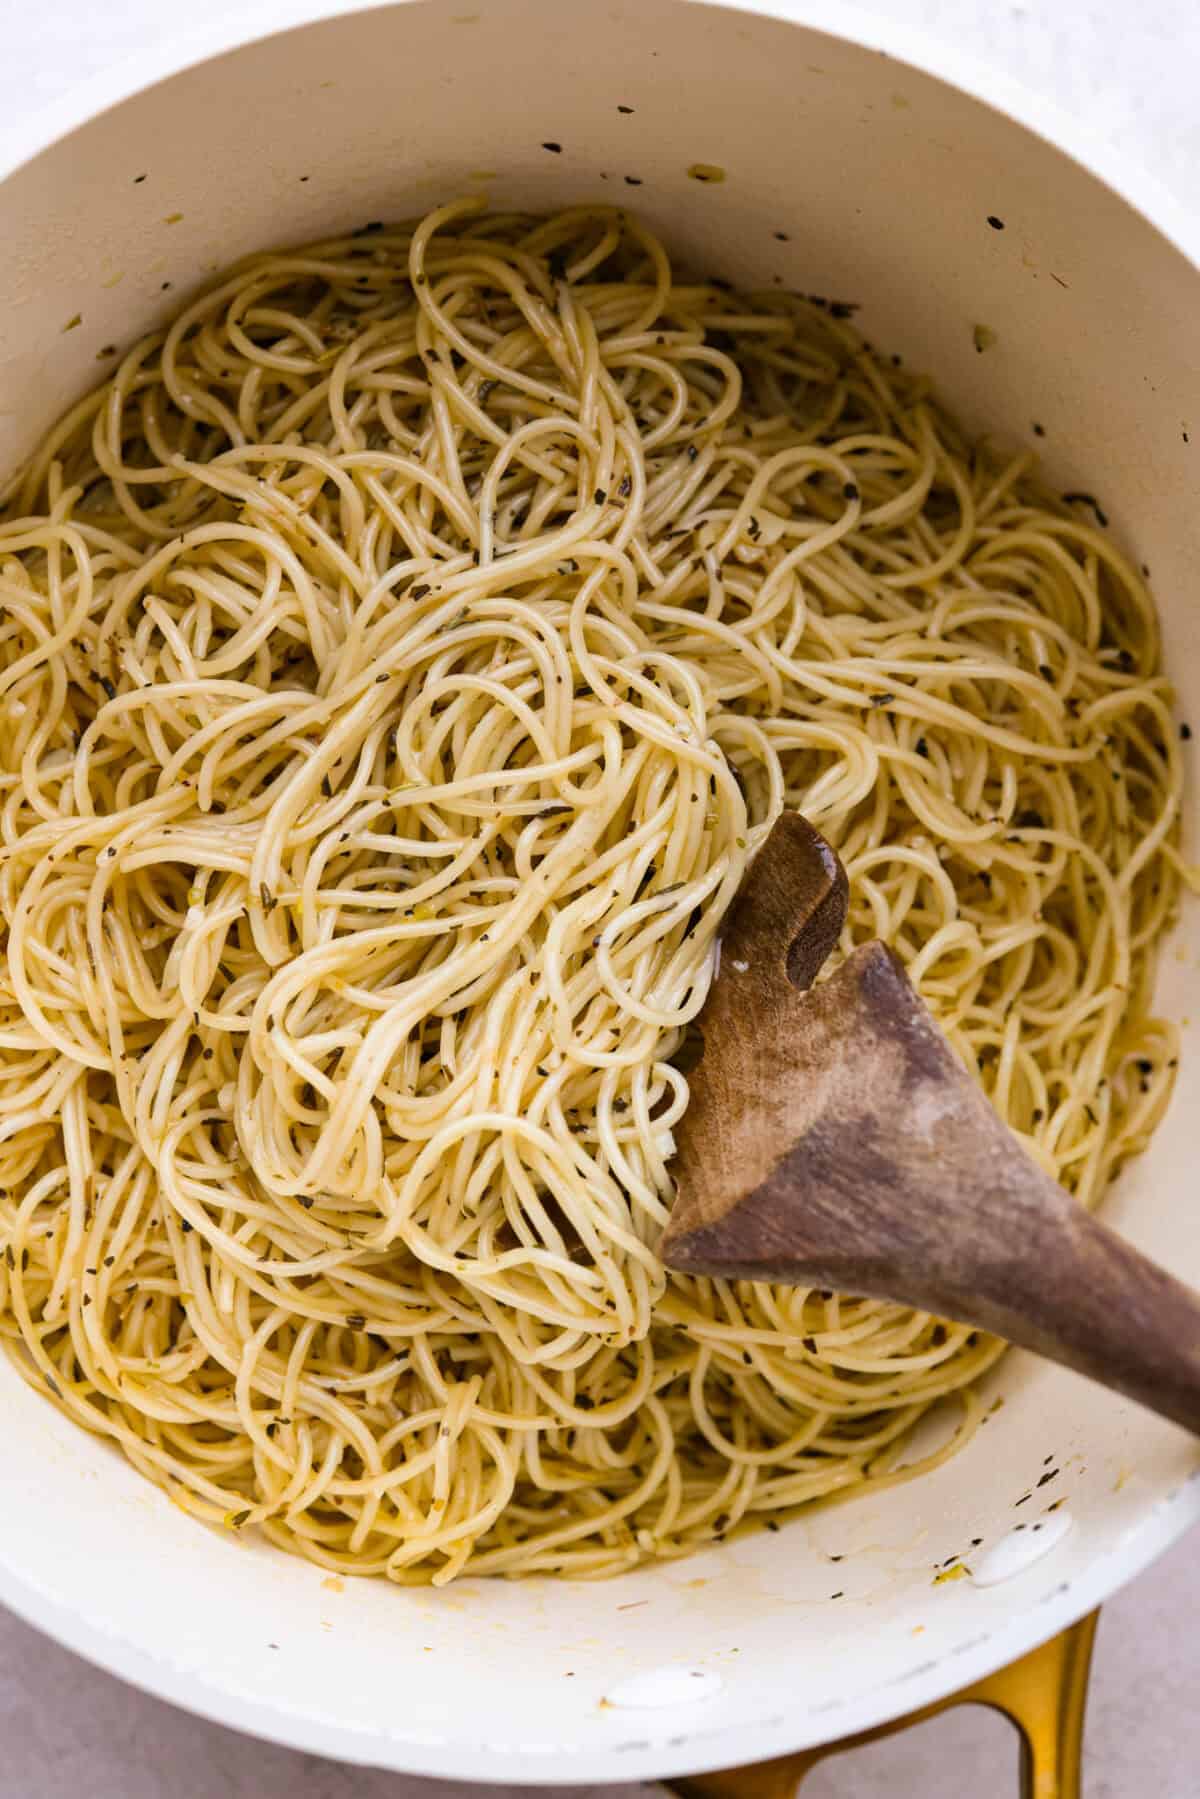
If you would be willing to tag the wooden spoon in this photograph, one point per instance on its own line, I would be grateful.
(833, 1139)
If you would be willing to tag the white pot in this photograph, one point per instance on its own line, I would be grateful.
(883, 178)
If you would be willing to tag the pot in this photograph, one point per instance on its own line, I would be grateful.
(872, 169)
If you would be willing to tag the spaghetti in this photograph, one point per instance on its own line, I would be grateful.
(401, 656)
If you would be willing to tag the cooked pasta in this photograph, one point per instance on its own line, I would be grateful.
(401, 656)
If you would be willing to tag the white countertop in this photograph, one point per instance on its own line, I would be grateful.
(66, 1728)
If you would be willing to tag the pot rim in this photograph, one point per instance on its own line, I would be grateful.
(681, 1749)
(684, 1748)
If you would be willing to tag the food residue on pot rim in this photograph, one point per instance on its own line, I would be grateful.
(1080, 497)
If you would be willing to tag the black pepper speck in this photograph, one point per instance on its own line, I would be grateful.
(995, 223)
(554, 149)
(1089, 499)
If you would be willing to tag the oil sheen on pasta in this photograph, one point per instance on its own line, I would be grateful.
(402, 655)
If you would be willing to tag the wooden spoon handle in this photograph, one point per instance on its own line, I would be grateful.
(1045, 1275)
(1077, 1293)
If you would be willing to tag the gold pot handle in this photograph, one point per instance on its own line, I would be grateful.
(1044, 1694)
